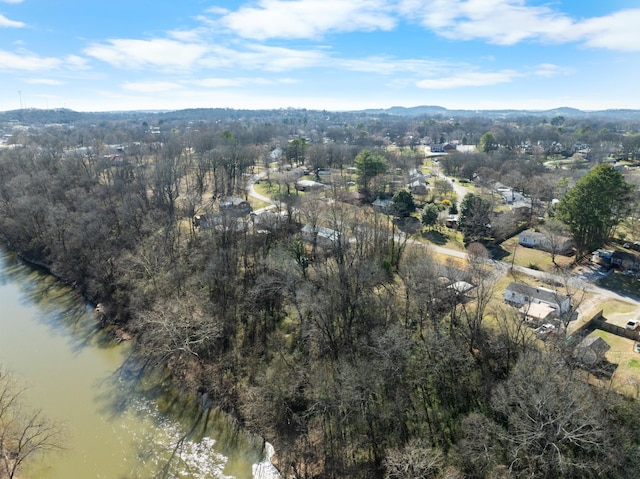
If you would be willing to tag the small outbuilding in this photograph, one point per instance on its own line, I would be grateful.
(591, 350)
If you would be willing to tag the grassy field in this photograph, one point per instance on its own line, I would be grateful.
(446, 238)
(532, 258)
(626, 377)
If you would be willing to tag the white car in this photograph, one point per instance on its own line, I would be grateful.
(545, 329)
(633, 324)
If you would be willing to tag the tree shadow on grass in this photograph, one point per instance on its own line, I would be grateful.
(498, 253)
(435, 237)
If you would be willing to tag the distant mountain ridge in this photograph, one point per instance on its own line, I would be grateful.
(568, 112)
(66, 116)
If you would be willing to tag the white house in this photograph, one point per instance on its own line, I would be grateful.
(510, 196)
(533, 239)
(537, 303)
(418, 187)
(309, 185)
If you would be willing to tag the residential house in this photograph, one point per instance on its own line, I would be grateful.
(442, 147)
(320, 236)
(537, 303)
(452, 221)
(220, 222)
(418, 187)
(461, 288)
(511, 196)
(276, 154)
(416, 173)
(309, 185)
(352, 197)
(625, 260)
(382, 204)
(533, 239)
(237, 206)
(602, 257)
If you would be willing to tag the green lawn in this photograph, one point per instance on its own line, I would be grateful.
(626, 378)
(530, 257)
(447, 238)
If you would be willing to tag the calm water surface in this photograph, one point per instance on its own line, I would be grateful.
(74, 373)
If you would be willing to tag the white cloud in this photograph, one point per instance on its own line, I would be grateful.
(263, 57)
(5, 22)
(139, 54)
(151, 86)
(550, 70)
(281, 58)
(468, 79)
(618, 31)
(12, 1)
(503, 22)
(44, 81)
(240, 82)
(508, 22)
(390, 66)
(26, 61)
(75, 62)
(308, 18)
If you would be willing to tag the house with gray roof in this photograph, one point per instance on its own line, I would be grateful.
(534, 239)
(541, 302)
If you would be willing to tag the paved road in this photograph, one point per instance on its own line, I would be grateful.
(251, 191)
(460, 190)
(575, 283)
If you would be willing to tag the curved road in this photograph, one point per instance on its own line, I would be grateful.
(576, 282)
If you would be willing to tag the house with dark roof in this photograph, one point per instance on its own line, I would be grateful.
(237, 206)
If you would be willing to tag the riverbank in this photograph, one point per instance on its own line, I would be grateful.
(116, 415)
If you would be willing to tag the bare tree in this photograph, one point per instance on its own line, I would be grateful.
(557, 234)
(25, 433)
(554, 423)
(416, 460)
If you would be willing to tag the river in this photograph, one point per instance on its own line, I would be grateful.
(117, 426)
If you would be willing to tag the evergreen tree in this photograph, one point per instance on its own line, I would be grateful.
(594, 206)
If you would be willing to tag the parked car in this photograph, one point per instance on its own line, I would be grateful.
(636, 347)
(633, 324)
(545, 330)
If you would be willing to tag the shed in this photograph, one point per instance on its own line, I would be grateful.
(591, 350)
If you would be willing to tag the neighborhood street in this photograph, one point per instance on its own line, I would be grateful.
(576, 285)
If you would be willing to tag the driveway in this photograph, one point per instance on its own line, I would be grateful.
(251, 191)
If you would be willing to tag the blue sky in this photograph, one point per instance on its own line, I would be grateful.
(319, 54)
